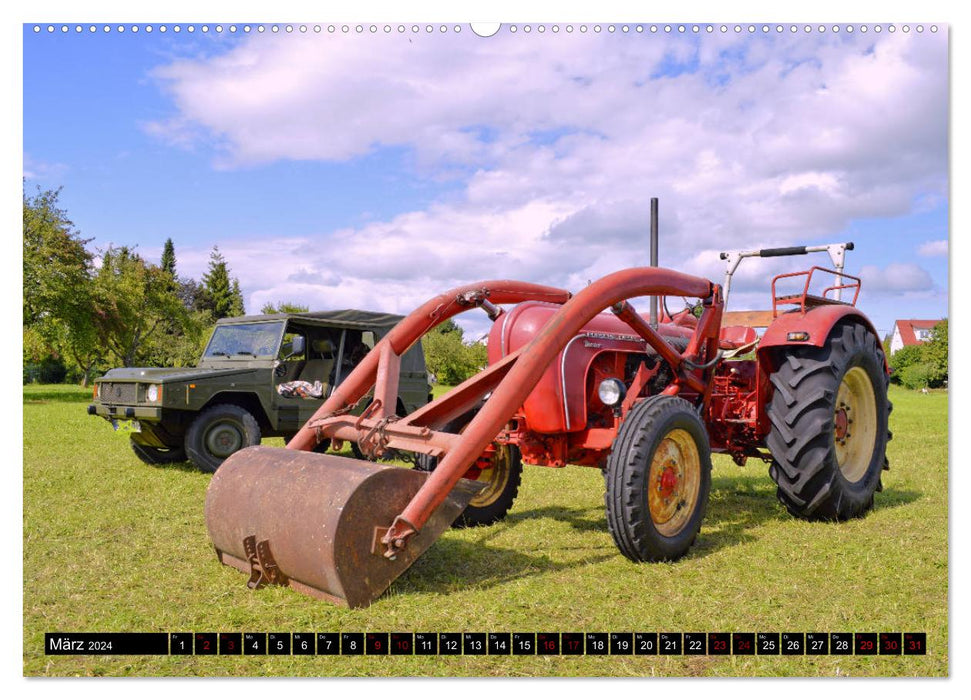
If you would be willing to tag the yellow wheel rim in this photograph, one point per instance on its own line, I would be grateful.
(495, 476)
(674, 482)
(855, 424)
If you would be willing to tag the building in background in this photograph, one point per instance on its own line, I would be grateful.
(911, 332)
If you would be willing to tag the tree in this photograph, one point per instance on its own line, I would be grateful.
(56, 262)
(236, 306)
(221, 294)
(168, 258)
(57, 307)
(133, 302)
(283, 307)
(922, 365)
(936, 354)
(448, 357)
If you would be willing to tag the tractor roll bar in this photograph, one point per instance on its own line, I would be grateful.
(837, 253)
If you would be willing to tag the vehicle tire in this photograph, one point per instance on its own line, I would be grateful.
(500, 467)
(658, 478)
(829, 416)
(158, 455)
(218, 432)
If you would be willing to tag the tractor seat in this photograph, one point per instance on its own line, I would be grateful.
(734, 337)
(320, 361)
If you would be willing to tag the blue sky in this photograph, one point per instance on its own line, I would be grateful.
(374, 170)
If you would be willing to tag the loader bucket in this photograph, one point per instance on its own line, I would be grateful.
(308, 520)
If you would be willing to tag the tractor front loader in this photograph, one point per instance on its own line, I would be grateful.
(566, 383)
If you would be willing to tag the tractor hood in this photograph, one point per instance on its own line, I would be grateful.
(159, 375)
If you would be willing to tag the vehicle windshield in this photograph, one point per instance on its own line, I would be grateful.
(245, 340)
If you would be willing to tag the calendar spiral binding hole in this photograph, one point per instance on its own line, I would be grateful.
(377, 28)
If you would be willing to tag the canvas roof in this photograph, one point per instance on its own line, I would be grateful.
(346, 317)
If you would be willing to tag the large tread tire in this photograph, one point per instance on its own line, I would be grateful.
(218, 432)
(659, 466)
(503, 479)
(822, 396)
(158, 455)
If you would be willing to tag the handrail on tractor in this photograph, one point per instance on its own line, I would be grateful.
(837, 253)
(510, 380)
(805, 299)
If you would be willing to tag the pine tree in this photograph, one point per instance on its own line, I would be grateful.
(236, 308)
(218, 291)
(168, 258)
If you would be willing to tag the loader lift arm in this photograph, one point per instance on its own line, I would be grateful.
(510, 380)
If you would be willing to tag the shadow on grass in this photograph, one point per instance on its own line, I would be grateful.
(186, 467)
(458, 564)
(892, 498)
(738, 505)
(581, 519)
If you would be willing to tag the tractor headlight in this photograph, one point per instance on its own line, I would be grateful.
(153, 393)
(611, 391)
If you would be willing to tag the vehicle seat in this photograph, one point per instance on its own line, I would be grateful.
(734, 337)
(320, 361)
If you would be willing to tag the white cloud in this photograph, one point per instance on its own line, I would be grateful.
(37, 169)
(896, 278)
(765, 141)
(932, 249)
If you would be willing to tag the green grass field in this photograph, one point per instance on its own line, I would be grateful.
(111, 544)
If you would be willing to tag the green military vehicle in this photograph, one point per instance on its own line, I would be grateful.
(259, 376)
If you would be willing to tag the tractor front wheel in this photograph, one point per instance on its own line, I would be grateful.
(500, 467)
(658, 479)
(829, 414)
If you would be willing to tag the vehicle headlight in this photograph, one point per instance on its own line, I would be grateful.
(611, 391)
(153, 392)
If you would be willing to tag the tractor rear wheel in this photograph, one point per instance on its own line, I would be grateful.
(658, 479)
(829, 414)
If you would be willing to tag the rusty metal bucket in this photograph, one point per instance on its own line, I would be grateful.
(308, 521)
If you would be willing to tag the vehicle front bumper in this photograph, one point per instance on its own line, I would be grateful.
(108, 411)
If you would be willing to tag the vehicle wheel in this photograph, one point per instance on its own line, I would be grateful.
(158, 455)
(829, 414)
(658, 478)
(218, 432)
(501, 468)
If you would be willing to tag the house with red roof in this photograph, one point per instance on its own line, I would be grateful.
(911, 332)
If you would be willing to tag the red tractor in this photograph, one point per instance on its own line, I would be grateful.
(572, 379)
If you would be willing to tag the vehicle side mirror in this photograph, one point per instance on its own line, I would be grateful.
(298, 345)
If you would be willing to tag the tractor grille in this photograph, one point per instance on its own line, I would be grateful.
(119, 392)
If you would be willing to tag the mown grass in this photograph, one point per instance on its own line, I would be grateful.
(111, 544)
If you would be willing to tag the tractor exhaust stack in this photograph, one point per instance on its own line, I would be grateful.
(654, 262)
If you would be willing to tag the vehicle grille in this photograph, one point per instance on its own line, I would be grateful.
(119, 392)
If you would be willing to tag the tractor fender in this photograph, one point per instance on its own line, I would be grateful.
(817, 322)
